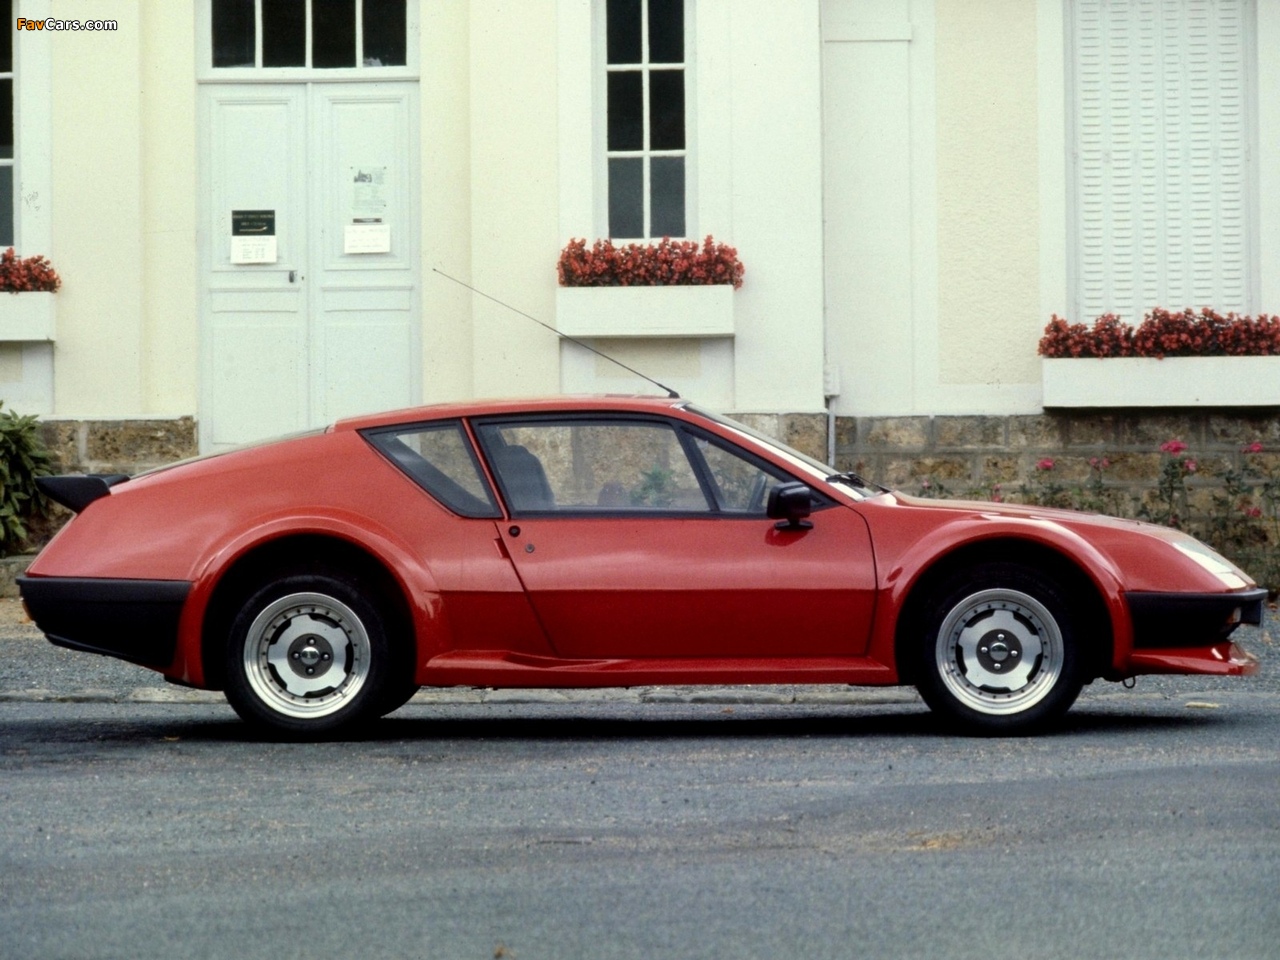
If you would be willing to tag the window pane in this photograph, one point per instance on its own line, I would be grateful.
(740, 485)
(6, 37)
(593, 468)
(333, 33)
(666, 31)
(626, 197)
(622, 24)
(384, 33)
(233, 33)
(626, 111)
(6, 206)
(439, 459)
(666, 110)
(6, 119)
(667, 178)
(284, 33)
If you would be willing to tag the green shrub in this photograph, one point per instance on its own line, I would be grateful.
(23, 457)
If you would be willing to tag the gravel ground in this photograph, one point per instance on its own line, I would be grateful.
(33, 669)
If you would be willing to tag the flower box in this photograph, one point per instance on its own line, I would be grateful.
(26, 316)
(672, 311)
(1171, 382)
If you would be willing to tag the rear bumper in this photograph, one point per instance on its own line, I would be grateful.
(1163, 621)
(134, 620)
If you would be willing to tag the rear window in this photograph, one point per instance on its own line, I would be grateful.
(438, 457)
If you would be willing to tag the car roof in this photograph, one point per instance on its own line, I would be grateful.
(499, 407)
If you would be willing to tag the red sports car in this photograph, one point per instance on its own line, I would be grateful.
(320, 580)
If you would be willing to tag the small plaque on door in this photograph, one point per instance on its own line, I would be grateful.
(253, 236)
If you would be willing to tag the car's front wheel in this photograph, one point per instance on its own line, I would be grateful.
(308, 656)
(999, 652)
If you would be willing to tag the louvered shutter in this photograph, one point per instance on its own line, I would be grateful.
(1162, 197)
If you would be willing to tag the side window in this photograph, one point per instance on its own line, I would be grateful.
(438, 457)
(740, 485)
(592, 466)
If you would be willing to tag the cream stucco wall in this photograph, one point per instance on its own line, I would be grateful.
(168, 153)
(448, 354)
(514, 198)
(124, 209)
(988, 193)
(97, 219)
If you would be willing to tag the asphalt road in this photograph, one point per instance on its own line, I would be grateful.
(762, 823)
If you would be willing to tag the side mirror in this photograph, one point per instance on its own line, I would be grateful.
(791, 503)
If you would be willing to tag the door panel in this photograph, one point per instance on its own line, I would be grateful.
(715, 587)
(254, 335)
(366, 333)
(321, 333)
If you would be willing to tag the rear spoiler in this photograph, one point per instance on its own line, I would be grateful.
(77, 492)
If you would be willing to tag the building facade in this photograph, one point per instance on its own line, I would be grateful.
(261, 209)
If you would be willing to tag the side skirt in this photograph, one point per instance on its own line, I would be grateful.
(503, 668)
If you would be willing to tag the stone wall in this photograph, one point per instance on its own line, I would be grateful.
(971, 455)
(966, 455)
(118, 446)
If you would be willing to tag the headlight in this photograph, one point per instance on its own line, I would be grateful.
(1232, 576)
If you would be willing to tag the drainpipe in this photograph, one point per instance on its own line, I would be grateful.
(830, 390)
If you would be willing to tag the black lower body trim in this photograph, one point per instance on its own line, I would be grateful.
(134, 620)
(1162, 620)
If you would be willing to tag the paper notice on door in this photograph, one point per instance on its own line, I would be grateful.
(366, 238)
(368, 194)
(253, 250)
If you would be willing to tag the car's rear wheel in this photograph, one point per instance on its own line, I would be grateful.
(999, 652)
(308, 656)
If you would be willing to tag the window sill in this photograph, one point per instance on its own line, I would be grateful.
(1171, 382)
(704, 311)
(26, 317)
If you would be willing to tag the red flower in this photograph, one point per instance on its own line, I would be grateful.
(1254, 447)
(1045, 464)
(19, 274)
(1174, 446)
(667, 263)
(1165, 333)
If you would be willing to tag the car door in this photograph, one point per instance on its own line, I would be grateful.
(640, 537)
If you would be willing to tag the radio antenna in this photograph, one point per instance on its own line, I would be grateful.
(563, 336)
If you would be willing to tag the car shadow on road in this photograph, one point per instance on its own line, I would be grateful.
(593, 723)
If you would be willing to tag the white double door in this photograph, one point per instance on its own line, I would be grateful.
(325, 323)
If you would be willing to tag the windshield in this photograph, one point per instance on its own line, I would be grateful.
(800, 462)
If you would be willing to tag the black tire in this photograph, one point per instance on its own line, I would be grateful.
(999, 652)
(398, 694)
(309, 656)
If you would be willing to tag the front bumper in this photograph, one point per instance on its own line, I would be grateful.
(1175, 620)
(134, 620)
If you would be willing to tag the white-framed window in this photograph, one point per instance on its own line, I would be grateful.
(644, 99)
(1161, 143)
(7, 132)
(26, 84)
(248, 39)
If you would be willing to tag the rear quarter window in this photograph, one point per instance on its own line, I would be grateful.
(438, 458)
